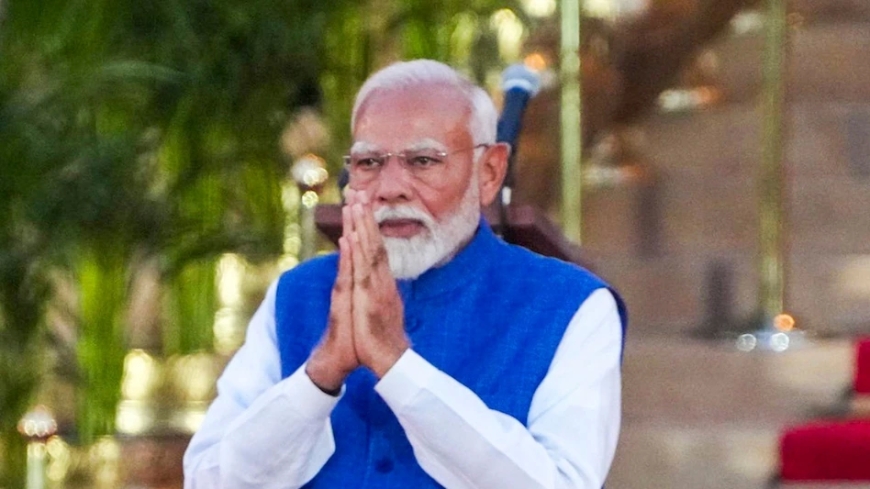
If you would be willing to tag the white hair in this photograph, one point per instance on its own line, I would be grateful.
(425, 72)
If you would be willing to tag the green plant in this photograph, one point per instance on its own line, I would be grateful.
(139, 132)
(155, 125)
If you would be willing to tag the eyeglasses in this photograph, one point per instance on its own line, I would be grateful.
(423, 164)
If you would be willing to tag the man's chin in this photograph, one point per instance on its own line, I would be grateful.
(411, 257)
(412, 242)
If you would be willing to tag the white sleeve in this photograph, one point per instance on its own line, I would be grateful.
(573, 422)
(261, 431)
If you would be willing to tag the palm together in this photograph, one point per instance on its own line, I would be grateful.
(366, 315)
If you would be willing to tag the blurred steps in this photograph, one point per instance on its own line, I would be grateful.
(702, 415)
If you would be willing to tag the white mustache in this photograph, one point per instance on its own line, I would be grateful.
(404, 212)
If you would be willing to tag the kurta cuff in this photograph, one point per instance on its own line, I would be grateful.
(410, 375)
(306, 398)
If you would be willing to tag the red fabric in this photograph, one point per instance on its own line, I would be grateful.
(826, 451)
(862, 366)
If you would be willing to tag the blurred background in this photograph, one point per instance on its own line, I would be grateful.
(161, 162)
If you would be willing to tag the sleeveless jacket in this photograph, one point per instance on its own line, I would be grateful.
(491, 318)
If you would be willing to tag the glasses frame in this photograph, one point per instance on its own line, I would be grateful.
(403, 159)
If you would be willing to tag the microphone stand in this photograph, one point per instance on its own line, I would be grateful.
(505, 195)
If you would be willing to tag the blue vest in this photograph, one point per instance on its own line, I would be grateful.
(491, 318)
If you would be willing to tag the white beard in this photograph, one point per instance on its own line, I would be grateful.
(438, 243)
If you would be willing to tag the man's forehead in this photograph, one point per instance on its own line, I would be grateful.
(423, 102)
(407, 122)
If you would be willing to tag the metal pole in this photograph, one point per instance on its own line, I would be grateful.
(309, 173)
(776, 331)
(307, 228)
(571, 122)
(37, 426)
(36, 465)
(770, 211)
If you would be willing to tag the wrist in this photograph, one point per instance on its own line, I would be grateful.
(384, 362)
(324, 378)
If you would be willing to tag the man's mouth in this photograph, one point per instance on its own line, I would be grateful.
(401, 228)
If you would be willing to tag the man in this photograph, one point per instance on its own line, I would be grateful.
(427, 352)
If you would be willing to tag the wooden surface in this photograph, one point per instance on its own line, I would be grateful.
(527, 227)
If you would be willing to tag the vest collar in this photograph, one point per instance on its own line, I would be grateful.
(465, 265)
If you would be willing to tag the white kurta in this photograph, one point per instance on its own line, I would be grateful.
(265, 432)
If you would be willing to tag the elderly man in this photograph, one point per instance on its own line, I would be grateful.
(426, 352)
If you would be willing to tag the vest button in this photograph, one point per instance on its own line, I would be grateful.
(384, 465)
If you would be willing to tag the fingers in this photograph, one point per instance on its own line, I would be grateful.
(343, 280)
(361, 230)
(335, 356)
(342, 289)
(346, 218)
(345, 245)
(370, 243)
(362, 268)
(365, 224)
(356, 235)
(369, 256)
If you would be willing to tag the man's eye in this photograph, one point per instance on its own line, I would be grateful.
(367, 162)
(423, 160)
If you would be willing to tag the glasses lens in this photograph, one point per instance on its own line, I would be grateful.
(423, 159)
(364, 166)
(424, 163)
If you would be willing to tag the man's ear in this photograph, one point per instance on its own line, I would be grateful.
(492, 170)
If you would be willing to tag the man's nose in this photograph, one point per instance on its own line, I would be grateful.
(393, 183)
